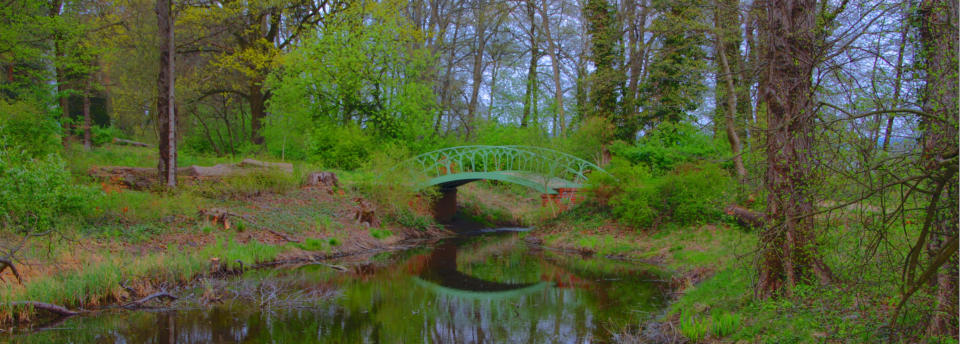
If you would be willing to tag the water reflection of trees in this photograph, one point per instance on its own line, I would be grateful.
(382, 302)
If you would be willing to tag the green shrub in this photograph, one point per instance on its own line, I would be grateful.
(690, 193)
(345, 147)
(36, 192)
(103, 135)
(409, 219)
(23, 127)
(671, 145)
(695, 193)
(380, 233)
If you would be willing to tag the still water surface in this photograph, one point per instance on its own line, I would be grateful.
(483, 288)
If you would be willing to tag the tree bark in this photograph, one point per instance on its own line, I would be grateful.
(257, 110)
(727, 27)
(478, 66)
(896, 90)
(731, 113)
(55, 7)
(165, 96)
(938, 38)
(87, 144)
(529, 94)
(788, 251)
(560, 115)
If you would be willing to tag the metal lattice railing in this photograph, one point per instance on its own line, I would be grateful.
(536, 164)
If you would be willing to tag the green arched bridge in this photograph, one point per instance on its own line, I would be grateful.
(542, 169)
(556, 175)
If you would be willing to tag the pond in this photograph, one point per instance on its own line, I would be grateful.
(485, 287)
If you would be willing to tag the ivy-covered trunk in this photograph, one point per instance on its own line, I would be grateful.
(938, 36)
(788, 246)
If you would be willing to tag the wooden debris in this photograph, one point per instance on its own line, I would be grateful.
(365, 213)
(746, 217)
(122, 142)
(285, 166)
(140, 302)
(49, 307)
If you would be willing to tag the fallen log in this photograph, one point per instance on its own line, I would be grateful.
(142, 178)
(49, 307)
(285, 166)
(140, 302)
(122, 142)
(746, 217)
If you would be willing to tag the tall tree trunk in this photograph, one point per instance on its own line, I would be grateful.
(637, 52)
(493, 87)
(448, 76)
(788, 250)
(56, 6)
(731, 113)
(479, 48)
(560, 115)
(727, 27)
(897, 85)
(530, 94)
(938, 37)
(165, 92)
(87, 144)
(258, 107)
(752, 60)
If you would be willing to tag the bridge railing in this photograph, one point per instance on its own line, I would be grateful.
(543, 161)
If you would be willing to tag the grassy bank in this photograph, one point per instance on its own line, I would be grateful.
(126, 244)
(713, 279)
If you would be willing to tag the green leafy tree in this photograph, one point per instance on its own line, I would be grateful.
(674, 85)
(606, 54)
(365, 69)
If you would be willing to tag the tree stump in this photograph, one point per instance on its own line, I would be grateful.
(327, 179)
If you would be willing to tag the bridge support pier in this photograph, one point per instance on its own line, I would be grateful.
(446, 206)
(564, 198)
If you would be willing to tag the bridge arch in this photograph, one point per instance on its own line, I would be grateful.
(556, 175)
(542, 169)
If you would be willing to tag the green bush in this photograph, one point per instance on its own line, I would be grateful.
(690, 193)
(24, 128)
(695, 193)
(36, 192)
(671, 145)
(345, 147)
(103, 135)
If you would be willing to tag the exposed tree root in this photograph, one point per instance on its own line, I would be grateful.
(140, 302)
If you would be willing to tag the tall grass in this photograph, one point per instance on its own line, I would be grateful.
(99, 280)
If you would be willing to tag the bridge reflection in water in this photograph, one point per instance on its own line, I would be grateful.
(491, 288)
